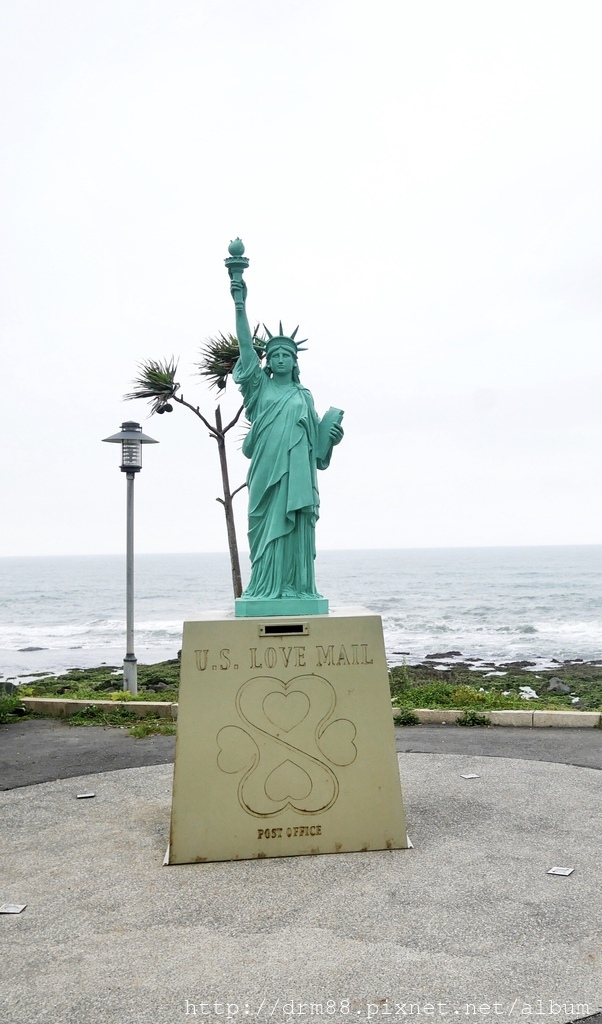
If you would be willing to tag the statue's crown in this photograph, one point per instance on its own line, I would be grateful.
(281, 340)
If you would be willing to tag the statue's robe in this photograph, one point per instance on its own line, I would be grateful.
(283, 490)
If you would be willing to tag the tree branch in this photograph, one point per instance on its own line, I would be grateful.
(235, 420)
(195, 409)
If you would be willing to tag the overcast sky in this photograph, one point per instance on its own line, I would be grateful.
(417, 185)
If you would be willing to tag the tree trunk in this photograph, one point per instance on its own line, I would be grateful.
(228, 509)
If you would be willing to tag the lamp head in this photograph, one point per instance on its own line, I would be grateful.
(131, 439)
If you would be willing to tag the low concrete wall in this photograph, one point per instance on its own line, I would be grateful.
(511, 718)
(566, 719)
(529, 719)
(59, 707)
(429, 717)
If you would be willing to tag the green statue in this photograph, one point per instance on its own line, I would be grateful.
(286, 443)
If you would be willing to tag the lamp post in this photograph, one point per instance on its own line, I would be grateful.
(131, 439)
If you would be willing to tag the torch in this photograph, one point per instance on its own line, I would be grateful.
(237, 262)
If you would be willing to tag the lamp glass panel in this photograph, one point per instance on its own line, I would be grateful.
(131, 454)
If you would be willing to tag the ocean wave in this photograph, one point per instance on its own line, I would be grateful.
(496, 604)
(526, 630)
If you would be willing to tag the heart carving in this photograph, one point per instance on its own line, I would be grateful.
(286, 710)
(288, 782)
(336, 742)
(237, 749)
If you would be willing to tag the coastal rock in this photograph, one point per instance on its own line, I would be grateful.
(556, 685)
(27, 650)
(445, 654)
(518, 664)
(8, 688)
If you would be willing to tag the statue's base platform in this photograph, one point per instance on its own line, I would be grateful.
(285, 742)
(260, 607)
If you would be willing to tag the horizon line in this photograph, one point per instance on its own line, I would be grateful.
(245, 553)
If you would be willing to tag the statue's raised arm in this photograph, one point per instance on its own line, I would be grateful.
(237, 263)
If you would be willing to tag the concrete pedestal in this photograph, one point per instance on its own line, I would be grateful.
(285, 742)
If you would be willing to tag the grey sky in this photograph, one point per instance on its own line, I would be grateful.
(417, 185)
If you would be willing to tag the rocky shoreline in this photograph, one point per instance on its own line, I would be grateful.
(448, 659)
(448, 679)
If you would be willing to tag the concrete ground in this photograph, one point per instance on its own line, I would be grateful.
(467, 925)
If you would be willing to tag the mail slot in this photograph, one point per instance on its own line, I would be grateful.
(284, 629)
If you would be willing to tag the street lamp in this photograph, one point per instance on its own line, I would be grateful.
(131, 439)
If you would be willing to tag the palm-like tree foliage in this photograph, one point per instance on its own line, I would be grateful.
(155, 382)
(219, 356)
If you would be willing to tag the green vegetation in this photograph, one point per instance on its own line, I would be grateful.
(94, 715)
(153, 727)
(421, 686)
(122, 718)
(412, 686)
(11, 708)
(472, 718)
(406, 717)
(155, 682)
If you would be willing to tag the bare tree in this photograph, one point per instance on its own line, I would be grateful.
(156, 382)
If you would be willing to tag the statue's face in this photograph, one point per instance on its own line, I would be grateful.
(282, 362)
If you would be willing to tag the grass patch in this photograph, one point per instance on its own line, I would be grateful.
(122, 718)
(94, 715)
(11, 709)
(471, 718)
(406, 717)
(153, 727)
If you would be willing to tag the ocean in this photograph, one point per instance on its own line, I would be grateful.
(496, 604)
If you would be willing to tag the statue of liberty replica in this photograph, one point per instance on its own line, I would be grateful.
(285, 733)
(287, 443)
